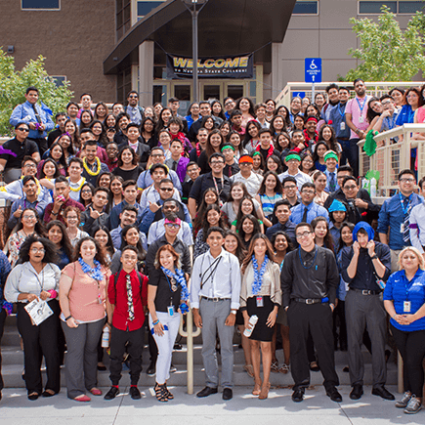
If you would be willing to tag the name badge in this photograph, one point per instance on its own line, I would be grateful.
(260, 302)
(361, 119)
(342, 126)
(406, 307)
(170, 310)
(402, 228)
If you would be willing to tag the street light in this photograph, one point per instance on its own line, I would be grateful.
(191, 7)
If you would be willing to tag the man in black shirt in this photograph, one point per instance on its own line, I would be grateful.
(192, 171)
(282, 212)
(309, 280)
(214, 179)
(60, 119)
(363, 266)
(21, 147)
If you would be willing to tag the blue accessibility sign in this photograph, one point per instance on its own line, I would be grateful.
(313, 70)
(300, 94)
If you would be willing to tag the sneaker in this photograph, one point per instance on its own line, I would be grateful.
(404, 401)
(151, 369)
(173, 368)
(413, 406)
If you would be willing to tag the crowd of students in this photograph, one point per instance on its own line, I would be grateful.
(250, 215)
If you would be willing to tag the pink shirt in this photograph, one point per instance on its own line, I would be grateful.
(85, 293)
(354, 109)
(420, 115)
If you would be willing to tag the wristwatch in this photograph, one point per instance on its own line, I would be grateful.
(375, 257)
(233, 311)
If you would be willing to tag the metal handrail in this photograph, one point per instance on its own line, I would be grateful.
(189, 335)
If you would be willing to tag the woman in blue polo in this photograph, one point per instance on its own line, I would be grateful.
(404, 300)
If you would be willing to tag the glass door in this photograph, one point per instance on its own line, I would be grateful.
(234, 90)
(183, 92)
(211, 90)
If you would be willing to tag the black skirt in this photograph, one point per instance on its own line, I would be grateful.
(261, 331)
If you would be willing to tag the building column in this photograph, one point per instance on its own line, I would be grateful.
(146, 64)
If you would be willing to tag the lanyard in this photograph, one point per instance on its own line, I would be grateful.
(25, 204)
(301, 260)
(216, 186)
(405, 210)
(38, 280)
(213, 267)
(341, 112)
(390, 123)
(361, 107)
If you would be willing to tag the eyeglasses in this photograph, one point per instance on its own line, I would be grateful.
(30, 166)
(166, 189)
(172, 226)
(86, 191)
(303, 235)
(350, 187)
(244, 164)
(159, 155)
(407, 180)
(35, 250)
(26, 130)
(308, 191)
(29, 217)
(216, 162)
(193, 170)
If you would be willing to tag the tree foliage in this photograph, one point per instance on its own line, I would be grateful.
(14, 83)
(388, 53)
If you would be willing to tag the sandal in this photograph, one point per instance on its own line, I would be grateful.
(169, 395)
(161, 392)
(33, 396)
(248, 368)
(83, 398)
(275, 367)
(284, 369)
(264, 391)
(96, 391)
(257, 389)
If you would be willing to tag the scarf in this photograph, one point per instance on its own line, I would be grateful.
(181, 280)
(258, 274)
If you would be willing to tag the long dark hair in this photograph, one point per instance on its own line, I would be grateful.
(100, 252)
(333, 144)
(82, 125)
(208, 148)
(248, 137)
(82, 201)
(240, 250)
(103, 140)
(39, 228)
(57, 172)
(65, 243)
(315, 154)
(341, 243)
(197, 224)
(206, 225)
(109, 245)
(254, 221)
(221, 113)
(286, 120)
(135, 160)
(141, 252)
(240, 147)
(250, 253)
(286, 236)
(272, 128)
(62, 159)
(278, 162)
(75, 141)
(240, 214)
(251, 105)
(327, 240)
(371, 114)
(278, 188)
(50, 255)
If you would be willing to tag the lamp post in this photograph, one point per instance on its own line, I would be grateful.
(191, 6)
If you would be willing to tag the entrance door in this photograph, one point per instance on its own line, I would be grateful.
(235, 91)
(183, 92)
(211, 90)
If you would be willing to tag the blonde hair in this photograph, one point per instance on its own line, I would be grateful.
(416, 252)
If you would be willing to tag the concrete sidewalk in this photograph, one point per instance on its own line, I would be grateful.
(316, 409)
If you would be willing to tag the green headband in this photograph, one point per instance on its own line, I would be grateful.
(331, 154)
(293, 156)
(256, 153)
(227, 147)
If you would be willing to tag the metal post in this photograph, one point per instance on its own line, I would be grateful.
(312, 92)
(195, 52)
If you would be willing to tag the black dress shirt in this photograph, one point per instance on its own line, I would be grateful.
(313, 276)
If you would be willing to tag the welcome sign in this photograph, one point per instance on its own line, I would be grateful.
(221, 67)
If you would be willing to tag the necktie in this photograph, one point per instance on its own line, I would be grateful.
(37, 115)
(130, 299)
(174, 167)
(406, 235)
(332, 183)
(304, 219)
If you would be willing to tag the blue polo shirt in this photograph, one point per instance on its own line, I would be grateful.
(391, 215)
(313, 210)
(399, 290)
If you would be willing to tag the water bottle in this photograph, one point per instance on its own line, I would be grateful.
(373, 187)
(105, 337)
(252, 321)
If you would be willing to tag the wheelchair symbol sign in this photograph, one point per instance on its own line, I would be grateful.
(313, 70)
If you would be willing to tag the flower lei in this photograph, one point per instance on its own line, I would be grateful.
(308, 138)
(269, 152)
(89, 172)
(95, 272)
(79, 187)
(198, 150)
(181, 280)
(258, 275)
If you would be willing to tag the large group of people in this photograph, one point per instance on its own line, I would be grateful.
(251, 216)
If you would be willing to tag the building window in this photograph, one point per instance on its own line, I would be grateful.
(123, 17)
(123, 84)
(306, 8)
(374, 7)
(144, 7)
(411, 7)
(40, 5)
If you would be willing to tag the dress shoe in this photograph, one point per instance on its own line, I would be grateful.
(95, 391)
(227, 394)
(356, 392)
(112, 393)
(381, 391)
(151, 369)
(135, 393)
(298, 395)
(334, 395)
(206, 392)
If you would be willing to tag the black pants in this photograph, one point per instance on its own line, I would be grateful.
(42, 145)
(40, 341)
(315, 319)
(340, 335)
(3, 315)
(412, 349)
(119, 339)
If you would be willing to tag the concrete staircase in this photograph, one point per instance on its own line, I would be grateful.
(13, 361)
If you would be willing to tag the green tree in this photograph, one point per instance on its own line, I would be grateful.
(14, 83)
(388, 53)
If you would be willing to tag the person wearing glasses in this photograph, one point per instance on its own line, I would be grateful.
(37, 278)
(251, 180)
(395, 215)
(18, 147)
(309, 280)
(135, 112)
